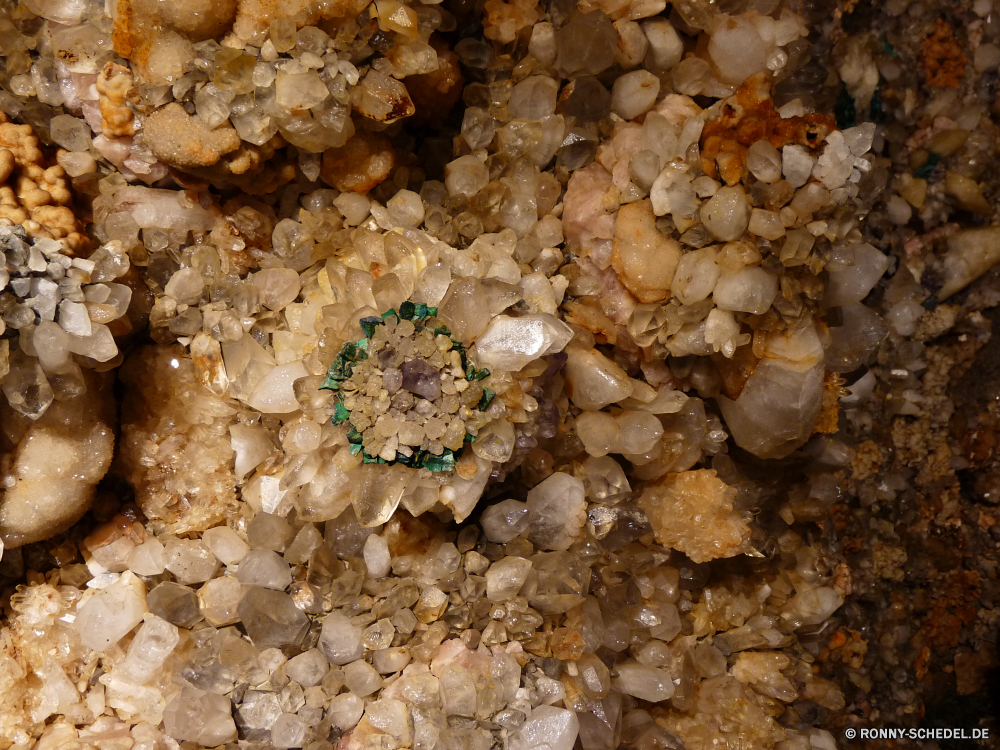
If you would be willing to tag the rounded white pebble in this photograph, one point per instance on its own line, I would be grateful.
(634, 94)
(726, 214)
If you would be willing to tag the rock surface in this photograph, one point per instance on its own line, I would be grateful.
(182, 475)
(55, 462)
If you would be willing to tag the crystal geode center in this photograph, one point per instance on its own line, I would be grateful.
(408, 391)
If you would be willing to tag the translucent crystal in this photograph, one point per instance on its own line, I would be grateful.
(271, 618)
(298, 91)
(150, 647)
(111, 612)
(634, 94)
(547, 728)
(308, 668)
(26, 387)
(190, 560)
(266, 568)
(378, 492)
(225, 544)
(505, 521)
(194, 715)
(288, 731)
(726, 214)
(346, 710)
(269, 531)
(421, 379)
(594, 380)
(340, 641)
(259, 710)
(70, 133)
(511, 343)
(391, 717)
(174, 603)
(219, 599)
(277, 287)
(558, 511)
(376, 554)
(647, 683)
(361, 678)
(505, 578)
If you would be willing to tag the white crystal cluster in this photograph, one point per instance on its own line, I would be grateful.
(57, 416)
(59, 306)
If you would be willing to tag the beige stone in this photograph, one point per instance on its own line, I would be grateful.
(643, 256)
(177, 138)
(693, 512)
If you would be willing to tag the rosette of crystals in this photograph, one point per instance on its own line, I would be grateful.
(409, 392)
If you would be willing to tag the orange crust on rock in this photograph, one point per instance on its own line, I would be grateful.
(747, 117)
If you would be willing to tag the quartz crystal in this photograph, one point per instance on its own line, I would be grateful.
(150, 647)
(288, 731)
(194, 715)
(793, 368)
(557, 512)
(376, 554)
(263, 567)
(219, 599)
(340, 641)
(505, 521)
(594, 380)
(174, 603)
(110, 613)
(271, 618)
(505, 578)
(191, 561)
(361, 678)
(547, 727)
(346, 710)
(308, 668)
(511, 343)
(648, 683)
(225, 544)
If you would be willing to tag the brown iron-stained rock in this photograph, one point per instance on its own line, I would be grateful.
(944, 61)
(360, 164)
(434, 94)
(175, 445)
(178, 139)
(255, 170)
(829, 413)
(114, 87)
(693, 512)
(747, 117)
